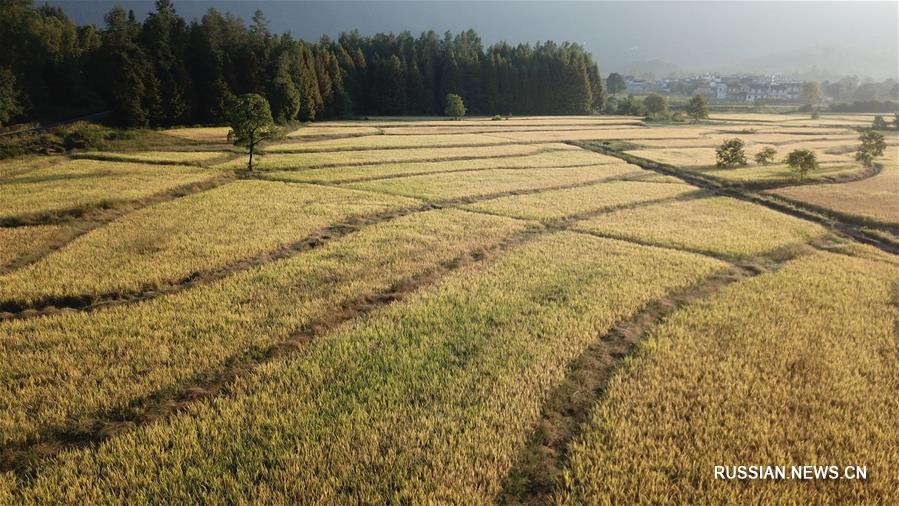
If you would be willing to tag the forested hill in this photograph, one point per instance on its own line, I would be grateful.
(167, 70)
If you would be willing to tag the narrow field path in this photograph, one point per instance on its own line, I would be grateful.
(842, 224)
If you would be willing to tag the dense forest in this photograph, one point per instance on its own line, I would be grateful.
(166, 70)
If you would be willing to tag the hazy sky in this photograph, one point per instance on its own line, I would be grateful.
(786, 37)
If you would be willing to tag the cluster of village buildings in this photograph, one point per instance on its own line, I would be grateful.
(731, 88)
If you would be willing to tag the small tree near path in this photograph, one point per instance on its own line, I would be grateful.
(251, 123)
(730, 154)
(765, 156)
(802, 162)
(455, 108)
(698, 108)
(872, 145)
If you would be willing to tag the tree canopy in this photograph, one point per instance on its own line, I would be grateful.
(455, 108)
(698, 108)
(167, 70)
(251, 122)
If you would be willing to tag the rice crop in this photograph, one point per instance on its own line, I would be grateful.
(19, 242)
(792, 368)
(73, 367)
(549, 159)
(168, 242)
(166, 157)
(715, 225)
(200, 134)
(83, 184)
(444, 187)
(276, 161)
(387, 142)
(554, 205)
(427, 401)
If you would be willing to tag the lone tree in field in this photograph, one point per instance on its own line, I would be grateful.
(698, 108)
(765, 156)
(656, 105)
(730, 154)
(872, 145)
(879, 123)
(801, 162)
(615, 83)
(810, 92)
(455, 108)
(251, 123)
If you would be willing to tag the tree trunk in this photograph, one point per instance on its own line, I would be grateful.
(250, 163)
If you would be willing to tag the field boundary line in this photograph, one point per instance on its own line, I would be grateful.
(539, 469)
(771, 201)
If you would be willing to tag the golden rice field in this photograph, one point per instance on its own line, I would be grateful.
(164, 157)
(167, 243)
(548, 159)
(79, 185)
(293, 161)
(809, 379)
(424, 311)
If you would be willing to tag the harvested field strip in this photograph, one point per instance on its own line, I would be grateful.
(388, 142)
(556, 205)
(428, 400)
(716, 226)
(352, 174)
(67, 376)
(297, 161)
(171, 243)
(484, 183)
(811, 378)
(197, 158)
(405, 122)
(70, 189)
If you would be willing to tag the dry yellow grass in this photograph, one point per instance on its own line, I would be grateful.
(562, 158)
(200, 134)
(16, 166)
(275, 161)
(168, 242)
(554, 205)
(792, 368)
(387, 142)
(427, 401)
(82, 184)
(716, 225)
(442, 187)
(502, 127)
(73, 367)
(604, 134)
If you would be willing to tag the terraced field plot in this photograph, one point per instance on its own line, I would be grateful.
(404, 319)
(715, 225)
(78, 185)
(447, 187)
(550, 159)
(809, 379)
(170, 242)
(389, 142)
(164, 157)
(295, 161)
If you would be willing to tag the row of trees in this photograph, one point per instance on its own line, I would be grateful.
(166, 70)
